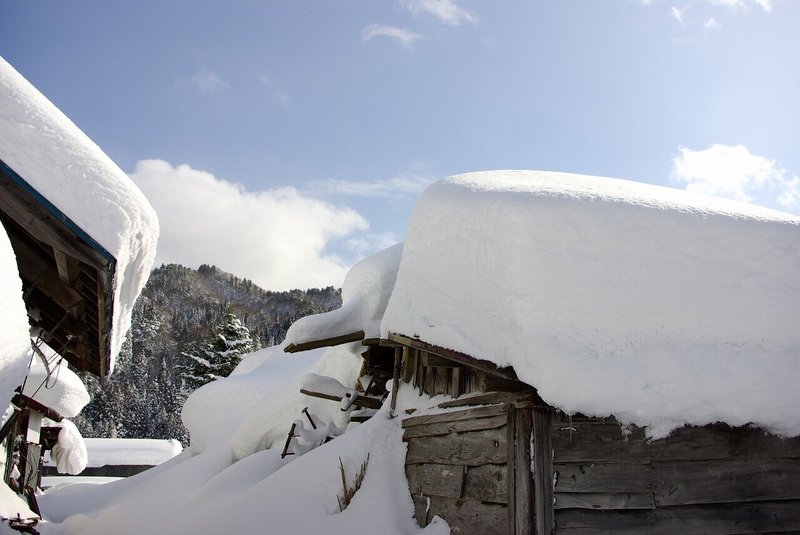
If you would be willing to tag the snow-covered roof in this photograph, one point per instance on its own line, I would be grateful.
(61, 164)
(659, 306)
(365, 292)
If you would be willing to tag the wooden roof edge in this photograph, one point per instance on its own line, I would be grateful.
(34, 194)
(356, 336)
(456, 356)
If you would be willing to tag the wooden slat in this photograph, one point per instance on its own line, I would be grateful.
(603, 477)
(466, 516)
(542, 457)
(429, 359)
(436, 479)
(726, 519)
(731, 481)
(461, 358)
(461, 426)
(470, 449)
(605, 501)
(486, 483)
(37, 271)
(511, 470)
(524, 398)
(409, 357)
(469, 414)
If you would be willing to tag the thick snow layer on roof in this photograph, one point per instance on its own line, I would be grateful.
(656, 305)
(365, 292)
(14, 329)
(61, 390)
(59, 161)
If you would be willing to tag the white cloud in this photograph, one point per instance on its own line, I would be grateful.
(207, 82)
(277, 238)
(736, 173)
(405, 37)
(736, 4)
(444, 11)
(373, 188)
(677, 13)
(711, 24)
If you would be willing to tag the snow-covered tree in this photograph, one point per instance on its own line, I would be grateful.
(219, 355)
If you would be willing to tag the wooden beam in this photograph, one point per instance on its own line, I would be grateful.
(523, 398)
(360, 401)
(455, 356)
(455, 416)
(356, 336)
(36, 271)
(542, 457)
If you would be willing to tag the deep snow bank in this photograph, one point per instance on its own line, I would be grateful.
(656, 305)
(59, 161)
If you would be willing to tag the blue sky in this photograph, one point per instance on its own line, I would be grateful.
(283, 140)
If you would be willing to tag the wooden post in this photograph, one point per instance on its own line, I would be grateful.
(543, 471)
(398, 355)
(524, 480)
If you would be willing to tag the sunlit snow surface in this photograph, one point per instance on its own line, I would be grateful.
(230, 484)
(59, 161)
(365, 292)
(656, 305)
(610, 297)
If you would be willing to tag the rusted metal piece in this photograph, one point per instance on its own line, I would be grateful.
(289, 438)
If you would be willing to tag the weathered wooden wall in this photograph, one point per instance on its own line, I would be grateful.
(457, 468)
(712, 479)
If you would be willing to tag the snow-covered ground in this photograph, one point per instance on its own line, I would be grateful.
(233, 480)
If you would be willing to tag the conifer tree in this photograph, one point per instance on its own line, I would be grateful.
(220, 353)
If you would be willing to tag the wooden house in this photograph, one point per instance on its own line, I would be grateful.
(84, 240)
(501, 460)
(67, 276)
(589, 290)
(67, 280)
(507, 462)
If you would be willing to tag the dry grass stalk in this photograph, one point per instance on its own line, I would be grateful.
(350, 491)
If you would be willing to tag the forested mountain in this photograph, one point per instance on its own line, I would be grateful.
(184, 320)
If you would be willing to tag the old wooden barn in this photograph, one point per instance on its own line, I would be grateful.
(689, 409)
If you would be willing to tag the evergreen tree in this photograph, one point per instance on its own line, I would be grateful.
(219, 355)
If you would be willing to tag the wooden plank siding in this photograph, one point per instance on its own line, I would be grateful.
(544, 472)
(457, 468)
(711, 479)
